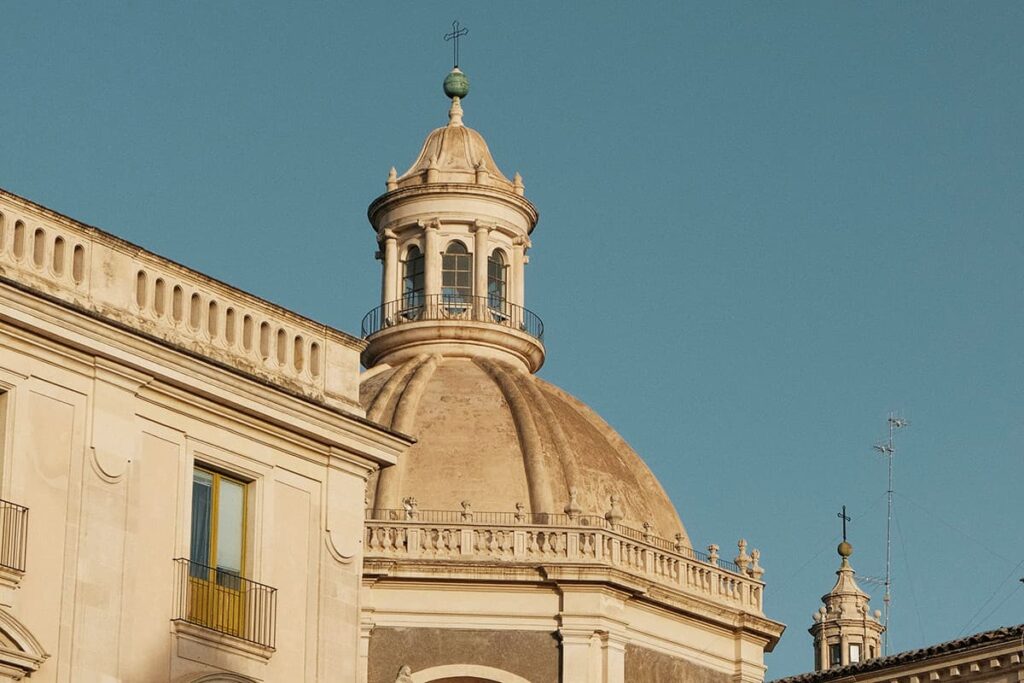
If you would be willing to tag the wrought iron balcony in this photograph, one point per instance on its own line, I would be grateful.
(14, 538)
(225, 602)
(420, 307)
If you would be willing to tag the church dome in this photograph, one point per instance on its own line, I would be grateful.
(491, 434)
(455, 154)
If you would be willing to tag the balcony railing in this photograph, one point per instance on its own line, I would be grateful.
(14, 539)
(552, 538)
(225, 602)
(420, 307)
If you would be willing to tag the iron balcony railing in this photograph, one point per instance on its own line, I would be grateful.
(14, 539)
(420, 307)
(225, 602)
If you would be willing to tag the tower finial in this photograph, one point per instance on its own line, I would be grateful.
(453, 37)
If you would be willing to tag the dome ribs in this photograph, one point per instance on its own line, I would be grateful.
(379, 404)
(542, 412)
(389, 483)
(534, 459)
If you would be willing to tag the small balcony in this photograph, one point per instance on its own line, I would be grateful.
(225, 602)
(454, 325)
(13, 536)
(420, 307)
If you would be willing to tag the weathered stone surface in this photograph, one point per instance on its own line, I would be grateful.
(530, 654)
(648, 666)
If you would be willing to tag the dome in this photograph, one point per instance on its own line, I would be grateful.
(455, 154)
(491, 434)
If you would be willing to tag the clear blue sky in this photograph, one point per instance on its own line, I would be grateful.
(763, 226)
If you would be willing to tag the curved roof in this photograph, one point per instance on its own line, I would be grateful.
(494, 435)
(458, 154)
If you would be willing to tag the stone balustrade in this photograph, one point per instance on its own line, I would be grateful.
(117, 280)
(570, 540)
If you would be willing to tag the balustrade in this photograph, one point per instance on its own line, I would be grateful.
(528, 538)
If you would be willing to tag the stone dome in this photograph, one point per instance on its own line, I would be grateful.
(490, 433)
(455, 154)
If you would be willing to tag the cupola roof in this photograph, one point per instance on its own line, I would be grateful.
(456, 153)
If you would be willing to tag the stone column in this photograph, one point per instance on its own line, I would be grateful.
(389, 290)
(431, 264)
(613, 656)
(481, 232)
(518, 293)
(576, 654)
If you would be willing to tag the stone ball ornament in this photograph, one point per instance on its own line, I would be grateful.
(456, 84)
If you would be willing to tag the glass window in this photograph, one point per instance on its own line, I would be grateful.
(854, 653)
(835, 654)
(456, 274)
(496, 280)
(217, 547)
(412, 278)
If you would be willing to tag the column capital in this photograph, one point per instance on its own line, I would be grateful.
(432, 224)
(480, 226)
(387, 234)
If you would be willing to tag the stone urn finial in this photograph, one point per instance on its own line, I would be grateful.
(742, 560)
(647, 531)
(467, 511)
(713, 553)
(392, 182)
(520, 513)
(410, 506)
(572, 508)
(614, 514)
(678, 546)
(756, 570)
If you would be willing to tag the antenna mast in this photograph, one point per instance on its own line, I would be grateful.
(888, 449)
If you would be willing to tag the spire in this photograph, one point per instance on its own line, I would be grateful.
(845, 631)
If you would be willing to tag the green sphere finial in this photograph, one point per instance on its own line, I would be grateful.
(456, 84)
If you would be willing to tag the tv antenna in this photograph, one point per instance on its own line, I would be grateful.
(888, 449)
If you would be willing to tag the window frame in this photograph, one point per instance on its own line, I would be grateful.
(213, 572)
(453, 258)
(412, 296)
(496, 260)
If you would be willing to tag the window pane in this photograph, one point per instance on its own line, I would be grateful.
(854, 653)
(835, 655)
(202, 505)
(231, 506)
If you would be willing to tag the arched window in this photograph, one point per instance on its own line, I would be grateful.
(412, 278)
(496, 280)
(457, 274)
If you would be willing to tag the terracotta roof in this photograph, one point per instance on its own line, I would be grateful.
(999, 635)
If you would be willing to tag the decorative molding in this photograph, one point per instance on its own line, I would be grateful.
(474, 670)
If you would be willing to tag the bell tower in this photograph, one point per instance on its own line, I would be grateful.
(845, 630)
(453, 234)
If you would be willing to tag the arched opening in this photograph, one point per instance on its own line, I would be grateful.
(456, 275)
(412, 280)
(497, 283)
(463, 673)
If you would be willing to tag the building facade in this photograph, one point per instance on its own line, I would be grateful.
(183, 470)
(198, 485)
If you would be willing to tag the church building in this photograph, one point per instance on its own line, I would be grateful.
(198, 485)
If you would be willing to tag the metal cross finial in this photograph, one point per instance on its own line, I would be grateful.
(843, 516)
(457, 32)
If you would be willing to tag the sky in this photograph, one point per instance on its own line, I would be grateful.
(764, 226)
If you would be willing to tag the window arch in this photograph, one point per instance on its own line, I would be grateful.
(457, 274)
(496, 280)
(412, 278)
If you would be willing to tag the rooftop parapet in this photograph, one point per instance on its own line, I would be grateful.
(123, 283)
(576, 540)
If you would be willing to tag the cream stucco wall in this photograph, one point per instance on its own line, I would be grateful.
(107, 407)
